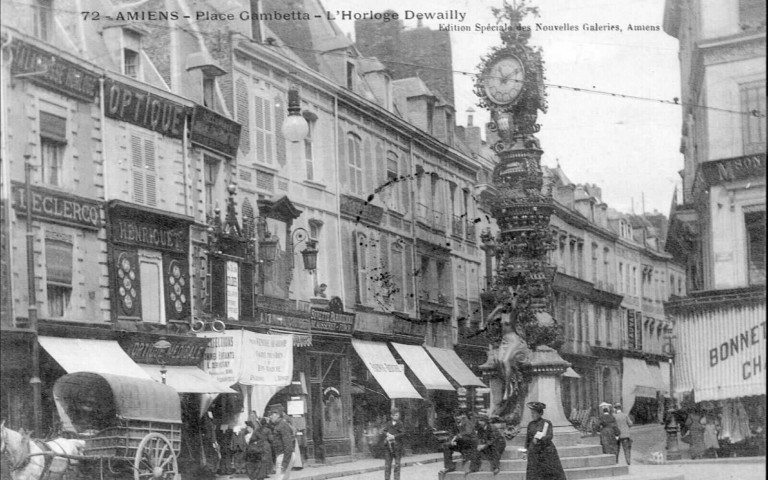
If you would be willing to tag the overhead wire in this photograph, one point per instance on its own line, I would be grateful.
(675, 101)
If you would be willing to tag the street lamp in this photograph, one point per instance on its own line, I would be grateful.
(295, 127)
(309, 254)
(162, 346)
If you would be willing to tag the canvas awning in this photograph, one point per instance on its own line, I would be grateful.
(186, 379)
(87, 355)
(454, 367)
(637, 381)
(388, 373)
(423, 367)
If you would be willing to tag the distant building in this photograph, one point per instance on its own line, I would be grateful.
(410, 52)
(612, 277)
(717, 228)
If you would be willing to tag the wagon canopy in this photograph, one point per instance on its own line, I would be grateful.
(87, 400)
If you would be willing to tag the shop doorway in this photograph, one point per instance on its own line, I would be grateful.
(328, 405)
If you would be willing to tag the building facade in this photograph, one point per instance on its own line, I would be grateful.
(718, 227)
(612, 277)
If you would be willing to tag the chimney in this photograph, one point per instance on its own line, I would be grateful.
(470, 116)
(257, 30)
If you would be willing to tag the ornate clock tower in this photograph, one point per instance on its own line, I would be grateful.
(523, 363)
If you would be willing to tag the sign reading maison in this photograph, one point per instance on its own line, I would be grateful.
(328, 321)
(54, 72)
(144, 109)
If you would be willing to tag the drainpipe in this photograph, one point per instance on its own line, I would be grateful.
(5, 175)
(412, 194)
(338, 188)
(103, 120)
(32, 301)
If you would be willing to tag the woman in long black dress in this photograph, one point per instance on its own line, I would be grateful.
(543, 460)
(609, 431)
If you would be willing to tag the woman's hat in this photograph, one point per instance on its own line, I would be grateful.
(537, 406)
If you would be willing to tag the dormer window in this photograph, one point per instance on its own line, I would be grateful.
(430, 115)
(43, 19)
(350, 75)
(209, 89)
(131, 49)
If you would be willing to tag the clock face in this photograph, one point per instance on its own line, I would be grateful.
(503, 80)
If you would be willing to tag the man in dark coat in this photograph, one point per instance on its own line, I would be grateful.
(393, 433)
(282, 440)
(543, 460)
(463, 441)
(490, 445)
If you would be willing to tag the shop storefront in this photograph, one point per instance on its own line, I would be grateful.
(148, 267)
(719, 367)
(643, 390)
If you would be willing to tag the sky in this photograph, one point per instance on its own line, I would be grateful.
(628, 147)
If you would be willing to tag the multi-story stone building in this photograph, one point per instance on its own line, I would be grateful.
(379, 188)
(103, 172)
(718, 227)
(612, 277)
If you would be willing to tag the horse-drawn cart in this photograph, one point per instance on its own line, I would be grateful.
(130, 426)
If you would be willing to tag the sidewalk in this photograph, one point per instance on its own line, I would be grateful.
(346, 469)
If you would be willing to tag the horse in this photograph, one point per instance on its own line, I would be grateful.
(31, 459)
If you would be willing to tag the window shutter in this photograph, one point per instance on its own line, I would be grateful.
(342, 146)
(382, 170)
(405, 186)
(279, 138)
(407, 282)
(355, 267)
(243, 115)
(137, 161)
(58, 260)
(259, 107)
(370, 168)
(268, 132)
(218, 287)
(150, 174)
(246, 290)
(53, 127)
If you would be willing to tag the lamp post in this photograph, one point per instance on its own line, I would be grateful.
(32, 301)
(671, 427)
(162, 346)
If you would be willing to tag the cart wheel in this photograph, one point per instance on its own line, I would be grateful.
(155, 459)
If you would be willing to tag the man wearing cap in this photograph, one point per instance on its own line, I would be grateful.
(543, 460)
(463, 441)
(490, 445)
(282, 441)
(623, 422)
(393, 444)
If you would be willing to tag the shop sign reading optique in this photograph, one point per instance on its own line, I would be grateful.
(144, 109)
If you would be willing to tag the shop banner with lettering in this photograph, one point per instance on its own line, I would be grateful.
(720, 353)
(249, 358)
(262, 363)
(222, 357)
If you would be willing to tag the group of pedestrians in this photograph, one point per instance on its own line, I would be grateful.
(476, 439)
(614, 431)
(270, 444)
